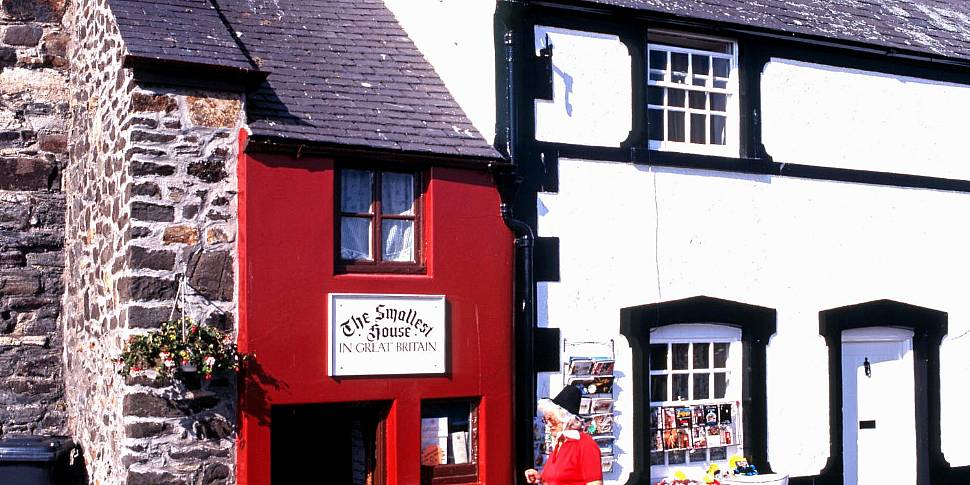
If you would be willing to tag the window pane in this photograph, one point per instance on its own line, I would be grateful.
(655, 96)
(699, 81)
(658, 388)
(720, 83)
(700, 64)
(658, 357)
(698, 99)
(721, 355)
(397, 193)
(678, 62)
(355, 238)
(397, 240)
(680, 389)
(721, 67)
(676, 457)
(656, 76)
(720, 385)
(675, 125)
(658, 60)
(702, 358)
(718, 453)
(697, 456)
(718, 130)
(655, 124)
(702, 386)
(718, 102)
(657, 458)
(675, 97)
(680, 356)
(356, 190)
(698, 128)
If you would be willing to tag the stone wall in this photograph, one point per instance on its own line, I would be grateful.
(151, 196)
(33, 151)
(183, 224)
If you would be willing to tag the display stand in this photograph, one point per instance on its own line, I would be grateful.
(589, 366)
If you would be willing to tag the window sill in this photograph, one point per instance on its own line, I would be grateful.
(384, 268)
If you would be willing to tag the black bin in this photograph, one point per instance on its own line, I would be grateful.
(36, 460)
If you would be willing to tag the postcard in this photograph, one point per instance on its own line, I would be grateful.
(584, 405)
(713, 436)
(602, 367)
(656, 440)
(726, 413)
(710, 415)
(669, 420)
(699, 419)
(684, 416)
(603, 423)
(607, 461)
(699, 437)
(580, 367)
(601, 406)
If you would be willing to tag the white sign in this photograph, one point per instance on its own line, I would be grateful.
(386, 334)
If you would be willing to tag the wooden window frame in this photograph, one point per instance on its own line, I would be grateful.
(377, 264)
(731, 113)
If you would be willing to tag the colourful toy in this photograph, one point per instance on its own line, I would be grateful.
(740, 466)
(713, 476)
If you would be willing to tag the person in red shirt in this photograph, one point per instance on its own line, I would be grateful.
(575, 460)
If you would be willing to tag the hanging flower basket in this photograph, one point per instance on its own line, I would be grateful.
(180, 348)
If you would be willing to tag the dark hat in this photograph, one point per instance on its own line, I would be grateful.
(568, 399)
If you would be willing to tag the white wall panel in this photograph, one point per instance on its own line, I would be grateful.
(591, 87)
(631, 235)
(834, 117)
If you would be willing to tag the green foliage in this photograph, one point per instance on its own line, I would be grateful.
(180, 344)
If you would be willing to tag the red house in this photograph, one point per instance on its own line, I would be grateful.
(375, 267)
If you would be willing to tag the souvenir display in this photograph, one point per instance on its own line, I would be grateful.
(591, 369)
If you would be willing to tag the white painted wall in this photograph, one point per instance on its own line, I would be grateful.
(456, 37)
(631, 235)
(591, 89)
(834, 117)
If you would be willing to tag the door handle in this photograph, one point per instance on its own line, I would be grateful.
(871, 424)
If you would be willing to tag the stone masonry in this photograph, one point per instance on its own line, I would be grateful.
(151, 199)
(33, 152)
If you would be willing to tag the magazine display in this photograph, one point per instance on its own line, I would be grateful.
(696, 427)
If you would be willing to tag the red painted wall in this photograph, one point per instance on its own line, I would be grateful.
(286, 259)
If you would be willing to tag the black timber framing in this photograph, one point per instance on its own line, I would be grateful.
(757, 325)
(535, 163)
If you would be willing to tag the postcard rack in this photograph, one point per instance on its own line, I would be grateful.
(589, 365)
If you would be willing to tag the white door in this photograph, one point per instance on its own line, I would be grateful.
(878, 407)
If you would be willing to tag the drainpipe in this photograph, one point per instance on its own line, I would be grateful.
(523, 378)
(524, 313)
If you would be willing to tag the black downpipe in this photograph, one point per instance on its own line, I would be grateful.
(524, 383)
(523, 313)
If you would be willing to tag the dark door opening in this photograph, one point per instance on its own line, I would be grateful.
(328, 444)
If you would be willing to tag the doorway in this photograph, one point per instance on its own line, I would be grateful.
(878, 405)
(328, 443)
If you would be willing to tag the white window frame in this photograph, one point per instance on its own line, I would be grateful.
(692, 333)
(731, 148)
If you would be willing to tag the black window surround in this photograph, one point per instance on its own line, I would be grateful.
(757, 325)
(929, 327)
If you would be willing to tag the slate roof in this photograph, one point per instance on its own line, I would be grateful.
(177, 30)
(935, 27)
(341, 72)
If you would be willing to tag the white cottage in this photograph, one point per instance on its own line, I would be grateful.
(757, 209)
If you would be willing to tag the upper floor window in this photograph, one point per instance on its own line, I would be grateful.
(380, 220)
(692, 94)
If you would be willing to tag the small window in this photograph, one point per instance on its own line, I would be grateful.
(695, 397)
(379, 220)
(449, 441)
(692, 94)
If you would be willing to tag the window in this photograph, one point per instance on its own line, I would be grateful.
(692, 94)
(449, 442)
(380, 220)
(695, 396)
